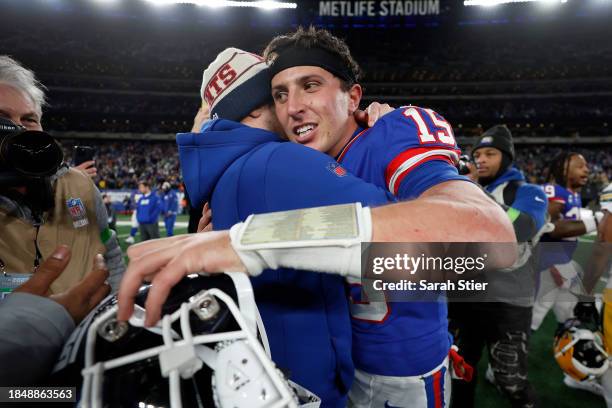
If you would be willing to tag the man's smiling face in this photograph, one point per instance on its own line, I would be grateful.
(313, 109)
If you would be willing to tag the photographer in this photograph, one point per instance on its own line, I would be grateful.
(43, 203)
(504, 319)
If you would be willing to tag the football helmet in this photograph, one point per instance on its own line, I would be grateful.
(203, 353)
(579, 351)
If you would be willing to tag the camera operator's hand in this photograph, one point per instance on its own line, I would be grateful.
(79, 299)
(89, 167)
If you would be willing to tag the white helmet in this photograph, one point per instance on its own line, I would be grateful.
(204, 351)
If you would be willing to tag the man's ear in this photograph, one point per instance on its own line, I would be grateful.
(355, 94)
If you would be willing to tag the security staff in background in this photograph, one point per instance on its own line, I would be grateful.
(503, 323)
(43, 202)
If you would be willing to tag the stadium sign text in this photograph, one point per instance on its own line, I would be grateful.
(379, 8)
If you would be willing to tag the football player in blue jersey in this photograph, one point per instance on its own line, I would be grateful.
(418, 164)
(568, 173)
(400, 350)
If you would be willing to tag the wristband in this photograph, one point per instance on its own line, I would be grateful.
(322, 239)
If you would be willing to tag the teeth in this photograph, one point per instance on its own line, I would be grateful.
(302, 130)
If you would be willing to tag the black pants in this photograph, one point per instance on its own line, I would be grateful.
(504, 329)
(149, 231)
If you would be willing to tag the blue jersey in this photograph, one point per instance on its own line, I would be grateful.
(242, 171)
(572, 202)
(407, 151)
(148, 208)
(564, 251)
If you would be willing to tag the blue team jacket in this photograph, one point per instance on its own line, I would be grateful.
(242, 171)
(530, 198)
(148, 209)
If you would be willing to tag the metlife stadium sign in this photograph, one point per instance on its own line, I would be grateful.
(385, 8)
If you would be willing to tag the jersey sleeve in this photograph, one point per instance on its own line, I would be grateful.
(555, 193)
(299, 177)
(409, 138)
(425, 176)
(531, 200)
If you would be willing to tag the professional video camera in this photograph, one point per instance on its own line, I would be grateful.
(28, 158)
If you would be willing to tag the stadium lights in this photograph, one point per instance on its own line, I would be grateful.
(262, 4)
(497, 2)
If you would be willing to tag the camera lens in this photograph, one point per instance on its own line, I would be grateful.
(33, 153)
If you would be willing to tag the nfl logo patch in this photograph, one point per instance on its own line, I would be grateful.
(337, 169)
(77, 212)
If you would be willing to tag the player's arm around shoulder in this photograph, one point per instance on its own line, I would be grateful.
(452, 211)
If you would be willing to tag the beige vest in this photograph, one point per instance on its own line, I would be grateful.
(17, 248)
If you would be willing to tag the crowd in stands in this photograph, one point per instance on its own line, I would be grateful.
(117, 74)
(137, 80)
(131, 50)
(121, 164)
(584, 116)
(488, 54)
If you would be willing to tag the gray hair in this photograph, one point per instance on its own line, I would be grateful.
(14, 74)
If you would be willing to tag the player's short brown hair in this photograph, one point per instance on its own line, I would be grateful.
(315, 38)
